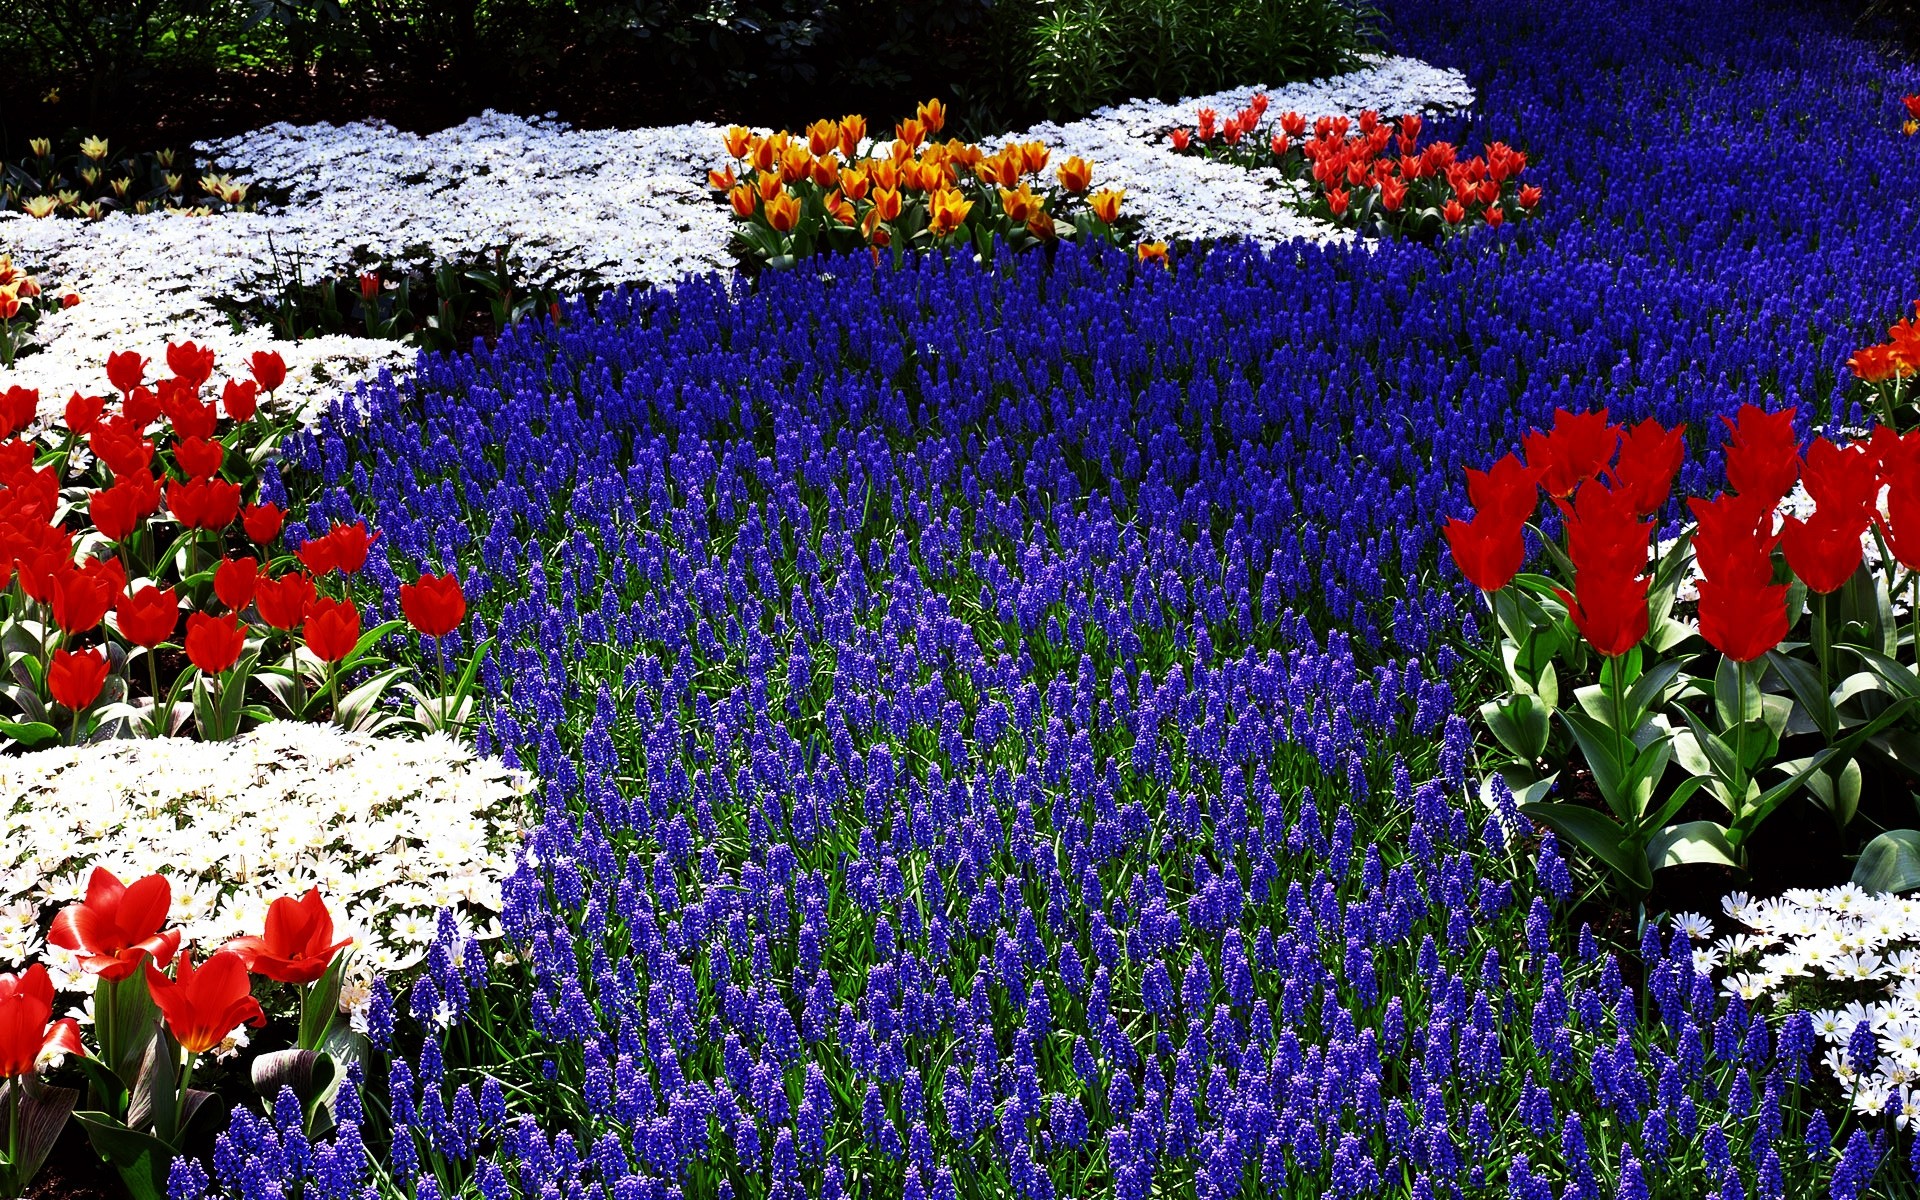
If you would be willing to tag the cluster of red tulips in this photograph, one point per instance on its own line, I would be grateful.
(166, 524)
(1759, 568)
(1887, 368)
(1370, 174)
(1608, 481)
(155, 1012)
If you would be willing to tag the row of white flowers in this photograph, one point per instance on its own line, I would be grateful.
(580, 207)
(391, 830)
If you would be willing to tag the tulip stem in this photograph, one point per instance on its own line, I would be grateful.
(1740, 739)
(186, 1085)
(1822, 648)
(153, 680)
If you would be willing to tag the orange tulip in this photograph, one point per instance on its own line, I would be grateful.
(852, 129)
(912, 132)
(783, 212)
(721, 181)
(838, 208)
(769, 185)
(932, 114)
(900, 151)
(1020, 204)
(885, 173)
(1076, 175)
(1153, 252)
(886, 202)
(1036, 156)
(1040, 225)
(1106, 204)
(950, 211)
(822, 136)
(743, 200)
(738, 139)
(764, 152)
(853, 183)
(826, 171)
(794, 164)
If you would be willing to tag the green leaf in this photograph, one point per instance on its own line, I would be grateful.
(1720, 757)
(43, 1114)
(1890, 863)
(1602, 751)
(1734, 702)
(320, 1004)
(1691, 842)
(1599, 836)
(30, 734)
(1647, 690)
(1808, 689)
(1518, 724)
(141, 1159)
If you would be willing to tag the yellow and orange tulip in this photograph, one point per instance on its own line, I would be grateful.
(1106, 204)
(1075, 174)
(783, 212)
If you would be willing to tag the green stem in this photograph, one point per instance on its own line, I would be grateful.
(153, 680)
(1619, 735)
(1822, 647)
(1740, 741)
(180, 1104)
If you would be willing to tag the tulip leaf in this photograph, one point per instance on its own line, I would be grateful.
(1720, 757)
(1648, 690)
(1736, 694)
(43, 1113)
(321, 1003)
(30, 733)
(357, 710)
(1901, 681)
(1808, 689)
(1890, 863)
(1599, 836)
(141, 1160)
(1691, 842)
(1601, 748)
(1518, 724)
(1839, 795)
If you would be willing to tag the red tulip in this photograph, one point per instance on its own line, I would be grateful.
(204, 1004)
(1763, 452)
(1453, 213)
(80, 600)
(262, 522)
(1337, 200)
(75, 679)
(27, 1028)
(141, 407)
(1913, 106)
(283, 602)
(117, 924)
(1743, 621)
(342, 548)
(333, 628)
(1495, 216)
(1825, 551)
(1735, 539)
(1509, 489)
(435, 605)
(297, 946)
(84, 412)
(1487, 550)
(369, 285)
(1841, 482)
(204, 503)
(191, 418)
(1604, 536)
(1578, 448)
(199, 457)
(233, 581)
(126, 370)
(240, 398)
(17, 408)
(214, 643)
(1650, 457)
(118, 510)
(1529, 196)
(269, 370)
(126, 454)
(1610, 612)
(189, 362)
(1901, 525)
(149, 616)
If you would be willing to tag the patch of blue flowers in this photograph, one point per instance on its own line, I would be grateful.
(998, 725)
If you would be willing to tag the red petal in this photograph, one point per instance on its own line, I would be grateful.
(143, 909)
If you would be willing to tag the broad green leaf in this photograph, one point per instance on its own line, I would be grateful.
(1808, 689)
(1721, 760)
(141, 1159)
(1691, 842)
(1597, 835)
(1648, 690)
(1890, 863)
(1838, 795)
(30, 734)
(1603, 751)
(42, 1114)
(1734, 701)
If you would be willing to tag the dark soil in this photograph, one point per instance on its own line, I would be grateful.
(74, 1172)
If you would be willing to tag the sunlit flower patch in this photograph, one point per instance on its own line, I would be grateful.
(1846, 960)
(389, 829)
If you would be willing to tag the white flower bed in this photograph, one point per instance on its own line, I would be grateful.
(580, 206)
(389, 829)
(1845, 954)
